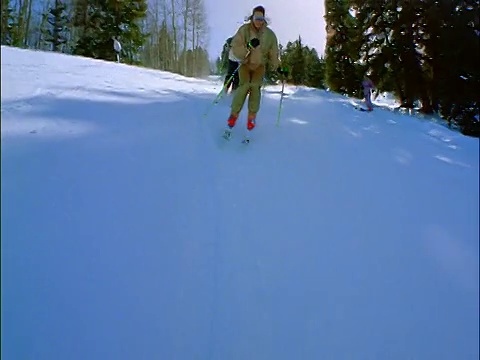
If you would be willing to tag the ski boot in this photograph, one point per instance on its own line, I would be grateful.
(251, 122)
(231, 123)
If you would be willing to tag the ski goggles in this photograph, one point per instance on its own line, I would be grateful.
(259, 18)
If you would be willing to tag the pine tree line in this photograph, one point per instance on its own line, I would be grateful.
(163, 34)
(16, 21)
(305, 66)
(426, 52)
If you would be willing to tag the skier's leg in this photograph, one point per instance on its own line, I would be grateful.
(227, 76)
(236, 79)
(232, 66)
(241, 93)
(368, 100)
(235, 82)
(255, 95)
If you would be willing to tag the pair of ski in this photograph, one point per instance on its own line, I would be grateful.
(228, 135)
(361, 108)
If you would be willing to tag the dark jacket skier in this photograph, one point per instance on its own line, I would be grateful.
(367, 92)
(231, 78)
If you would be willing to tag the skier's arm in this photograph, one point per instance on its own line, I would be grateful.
(239, 49)
(273, 59)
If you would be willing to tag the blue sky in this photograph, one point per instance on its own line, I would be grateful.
(288, 20)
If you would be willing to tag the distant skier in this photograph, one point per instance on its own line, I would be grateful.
(256, 45)
(368, 86)
(231, 68)
(117, 47)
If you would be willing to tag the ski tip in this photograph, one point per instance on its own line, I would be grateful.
(227, 135)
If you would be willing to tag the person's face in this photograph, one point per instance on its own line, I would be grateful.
(258, 19)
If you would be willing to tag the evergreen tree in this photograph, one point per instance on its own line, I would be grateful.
(294, 58)
(101, 21)
(342, 71)
(314, 69)
(218, 66)
(197, 62)
(453, 65)
(202, 63)
(306, 68)
(377, 55)
(186, 59)
(158, 50)
(406, 42)
(58, 19)
(166, 48)
(412, 49)
(20, 29)
(8, 23)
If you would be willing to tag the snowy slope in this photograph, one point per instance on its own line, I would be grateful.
(131, 231)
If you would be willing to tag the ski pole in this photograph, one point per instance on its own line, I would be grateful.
(262, 91)
(225, 87)
(281, 100)
(220, 94)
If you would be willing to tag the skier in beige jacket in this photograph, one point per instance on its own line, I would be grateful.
(255, 45)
